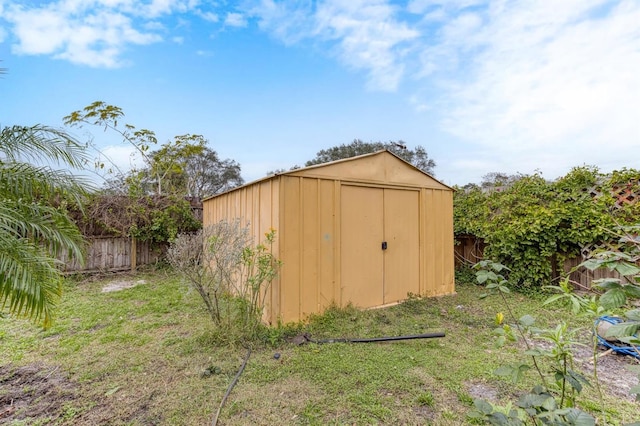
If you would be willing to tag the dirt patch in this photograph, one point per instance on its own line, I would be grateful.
(614, 376)
(34, 391)
(426, 413)
(612, 370)
(120, 285)
(480, 390)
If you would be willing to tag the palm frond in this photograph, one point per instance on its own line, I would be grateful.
(30, 283)
(34, 226)
(44, 225)
(32, 183)
(42, 144)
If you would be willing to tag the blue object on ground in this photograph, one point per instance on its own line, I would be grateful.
(620, 347)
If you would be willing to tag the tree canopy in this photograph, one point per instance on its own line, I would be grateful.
(417, 156)
(153, 202)
(184, 166)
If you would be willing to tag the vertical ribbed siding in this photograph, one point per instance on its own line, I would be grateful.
(305, 208)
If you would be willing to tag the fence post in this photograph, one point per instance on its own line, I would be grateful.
(134, 254)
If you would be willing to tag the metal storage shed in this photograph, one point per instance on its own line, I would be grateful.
(367, 230)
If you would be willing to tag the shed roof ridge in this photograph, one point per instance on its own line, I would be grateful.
(331, 163)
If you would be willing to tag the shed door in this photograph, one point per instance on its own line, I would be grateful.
(370, 275)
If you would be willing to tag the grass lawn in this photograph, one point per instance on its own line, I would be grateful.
(149, 355)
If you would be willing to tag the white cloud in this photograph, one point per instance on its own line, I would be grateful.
(120, 158)
(235, 20)
(548, 85)
(438, 6)
(209, 16)
(366, 33)
(88, 32)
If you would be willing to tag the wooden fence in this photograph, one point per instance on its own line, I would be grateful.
(105, 254)
(470, 250)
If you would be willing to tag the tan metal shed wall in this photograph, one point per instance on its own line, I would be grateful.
(310, 245)
(437, 266)
(309, 277)
(258, 206)
(305, 210)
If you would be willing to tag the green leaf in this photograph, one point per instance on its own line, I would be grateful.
(613, 298)
(607, 283)
(632, 291)
(633, 315)
(499, 419)
(483, 406)
(553, 298)
(527, 320)
(580, 418)
(531, 400)
(626, 268)
(624, 329)
(549, 404)
(631, 340)
(575, 380)
(591, 264)
(482, 276)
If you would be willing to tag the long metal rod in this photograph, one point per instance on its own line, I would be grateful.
(382, 339)
(233, 383)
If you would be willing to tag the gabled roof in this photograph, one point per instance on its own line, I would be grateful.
(377, 167)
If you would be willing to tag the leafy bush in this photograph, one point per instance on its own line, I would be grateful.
(554, 400)
(532, 225)
(231, 275)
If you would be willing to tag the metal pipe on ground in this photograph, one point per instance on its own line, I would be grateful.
(380, 339)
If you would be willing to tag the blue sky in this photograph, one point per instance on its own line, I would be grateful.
(484, 86)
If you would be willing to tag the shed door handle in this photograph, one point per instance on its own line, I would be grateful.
(384, 245)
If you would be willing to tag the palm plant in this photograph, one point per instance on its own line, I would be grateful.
(34, 226)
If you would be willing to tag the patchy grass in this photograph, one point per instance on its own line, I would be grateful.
(149, 355)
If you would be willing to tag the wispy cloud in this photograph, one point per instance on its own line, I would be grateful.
(69, 31)
(365, 34)
(88, 32)
(535, 84)
(551, 82)
(209, 16)
(547, 84)
(234, 19)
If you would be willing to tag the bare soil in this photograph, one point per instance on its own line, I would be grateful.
(612, 370)
(34, 391)
(119, 285)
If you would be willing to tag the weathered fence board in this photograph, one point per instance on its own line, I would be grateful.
(105, 254)
(468, 250)
(583, 277)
